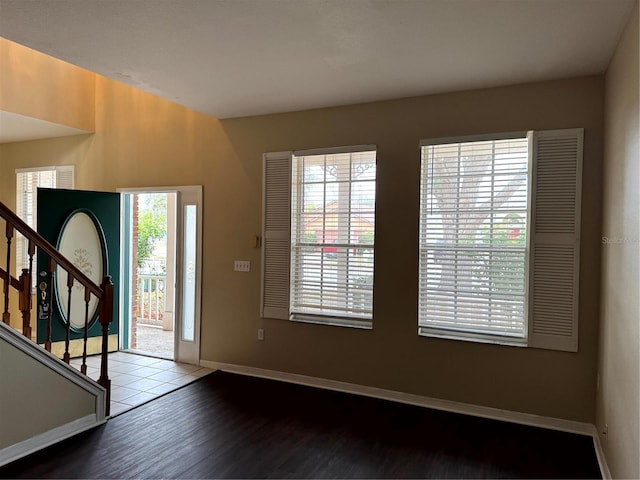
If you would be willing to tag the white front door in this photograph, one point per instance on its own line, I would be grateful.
(178, 287)
(188, 274)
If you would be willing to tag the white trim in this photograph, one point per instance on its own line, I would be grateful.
(602, 460)
(188, 351)
(531, 215)
(166, 189)
(335, 150)
(560, 424)
(50, 168)
(58, 366)
(194, 196)
(306, 304)
(435, 319)
(473, 138)
(55, 435)
(471, 337)
(363, 324)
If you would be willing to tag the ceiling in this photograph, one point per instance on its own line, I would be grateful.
(231, 58)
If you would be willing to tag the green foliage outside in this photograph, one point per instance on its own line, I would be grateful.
(501, 270)
(152, 224)
(366, 238)
(309, 237)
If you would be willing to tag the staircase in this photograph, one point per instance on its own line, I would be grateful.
(20, 289)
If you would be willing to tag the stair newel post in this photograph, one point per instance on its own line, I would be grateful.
(106, 315)
(47, 340)
(24, 302)
(67, 339)
(6, 317)
(87, 298)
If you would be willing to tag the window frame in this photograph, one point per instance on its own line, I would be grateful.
(479, 337)
(21, 244)
(278, 230)
(554, 230)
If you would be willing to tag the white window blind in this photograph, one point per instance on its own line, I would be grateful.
(473, 238)
(332, 235)
(27, 182)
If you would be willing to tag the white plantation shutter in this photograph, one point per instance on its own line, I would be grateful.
(332, 235)
(555, 244)
(473, 238)
(64, 177)
(27, 182)
(276, 235)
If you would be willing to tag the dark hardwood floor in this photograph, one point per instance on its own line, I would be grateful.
(232, 426)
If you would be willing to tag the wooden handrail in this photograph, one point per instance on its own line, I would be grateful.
(49, 249)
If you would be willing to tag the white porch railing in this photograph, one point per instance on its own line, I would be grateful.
(151, 299)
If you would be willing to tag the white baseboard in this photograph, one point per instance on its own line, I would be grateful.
(33, 444)
(560, 424)
(602, 460)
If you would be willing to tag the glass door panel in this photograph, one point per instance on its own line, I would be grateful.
(189, 273)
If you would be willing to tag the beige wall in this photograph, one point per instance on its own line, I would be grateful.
(57, 151)
(45, 78)
(33, 400)
(392, 355)
(618, 399)
(141, 140)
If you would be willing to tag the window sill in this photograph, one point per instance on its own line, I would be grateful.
(471, 337)
(334, 322)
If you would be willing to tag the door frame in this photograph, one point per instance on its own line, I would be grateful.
(184, 351)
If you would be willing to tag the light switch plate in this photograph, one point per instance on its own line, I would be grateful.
(242, 266)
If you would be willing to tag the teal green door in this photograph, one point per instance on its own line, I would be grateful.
(85, 227)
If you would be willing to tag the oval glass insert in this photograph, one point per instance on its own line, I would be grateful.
(82, 243)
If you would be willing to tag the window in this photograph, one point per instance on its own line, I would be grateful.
(318, 256)
(27, 183)
(499, 238)
(473, 236)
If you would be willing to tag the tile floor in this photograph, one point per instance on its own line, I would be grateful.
(136, 379)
